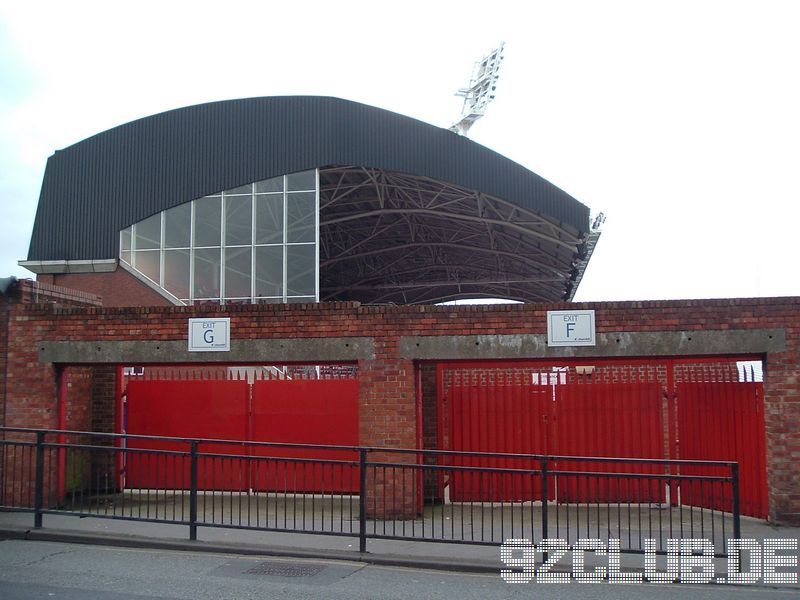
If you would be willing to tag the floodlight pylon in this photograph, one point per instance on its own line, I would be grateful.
(480, 91)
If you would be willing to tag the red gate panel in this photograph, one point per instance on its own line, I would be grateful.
(302, 411)
(724, 421)
(509, 418)
(211, 409)
(505, 412)
(306, 411)
(622, 420)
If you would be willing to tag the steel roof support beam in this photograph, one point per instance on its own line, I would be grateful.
(378, 227)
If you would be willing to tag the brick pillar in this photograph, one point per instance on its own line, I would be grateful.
(105, 464)
(104, 399)
(5, 465)
(429, 401)
(28, 388)
(387, 418)
(430, 425)
(4, 313)
(79, 399)
(782, 416)
(77, 414)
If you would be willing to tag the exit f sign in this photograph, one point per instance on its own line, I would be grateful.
(570, 328)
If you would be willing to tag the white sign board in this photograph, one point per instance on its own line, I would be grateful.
(570, 328)
(210, 335)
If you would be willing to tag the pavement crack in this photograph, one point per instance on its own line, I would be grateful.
(360, 568)
(46, 556)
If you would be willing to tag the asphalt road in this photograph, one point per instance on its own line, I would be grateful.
(32, 570)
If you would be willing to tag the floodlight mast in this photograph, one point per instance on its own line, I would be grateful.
(480, 91)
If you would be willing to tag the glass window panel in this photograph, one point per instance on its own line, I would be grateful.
(306, 180)
(148, 233)
(269, 271)
(176, 272)
(237, 272)
(125, 240)
(148, 262)
(300, 299)
(301, 273)
(178, 226)
(238, 220)
(269, 219)
(206, 273)
(276, 300)
(280, 253)
(300, 217)
(207, 221)
(269, 185)
(242, 189)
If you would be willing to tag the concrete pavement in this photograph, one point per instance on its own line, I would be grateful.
(430, 555)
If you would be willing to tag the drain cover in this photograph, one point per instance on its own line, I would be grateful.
(281, 569)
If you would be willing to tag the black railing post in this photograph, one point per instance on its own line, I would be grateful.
(737, 522)
(193, 491)
(38, 498)
(543, 462)
(362, 500)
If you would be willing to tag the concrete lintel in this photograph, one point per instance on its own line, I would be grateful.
(648, 343)
(265, 351)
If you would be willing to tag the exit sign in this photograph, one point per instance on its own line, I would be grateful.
(210, 335)
(570, 328)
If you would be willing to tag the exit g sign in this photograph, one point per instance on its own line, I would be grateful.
(210, 335)
(570, 328)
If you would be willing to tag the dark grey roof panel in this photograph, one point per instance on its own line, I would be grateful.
(95, 188)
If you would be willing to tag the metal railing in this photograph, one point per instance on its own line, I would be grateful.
(367, 492)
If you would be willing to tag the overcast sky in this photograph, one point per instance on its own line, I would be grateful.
(680, 120)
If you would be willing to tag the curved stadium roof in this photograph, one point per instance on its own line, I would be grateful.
(409, 212)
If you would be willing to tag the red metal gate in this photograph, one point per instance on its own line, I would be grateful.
(302, 405)
(306, 411)
(538, 410)
(215, 409)
(505, 413)
(616, 419)
(695, 409)
(721, 418)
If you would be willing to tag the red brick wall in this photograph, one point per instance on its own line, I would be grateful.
(386, 384)
(19, 365)
(78, 415)
(119, 288)
(4, 312)
(18, 369)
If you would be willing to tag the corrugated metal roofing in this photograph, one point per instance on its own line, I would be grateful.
(95, 188)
